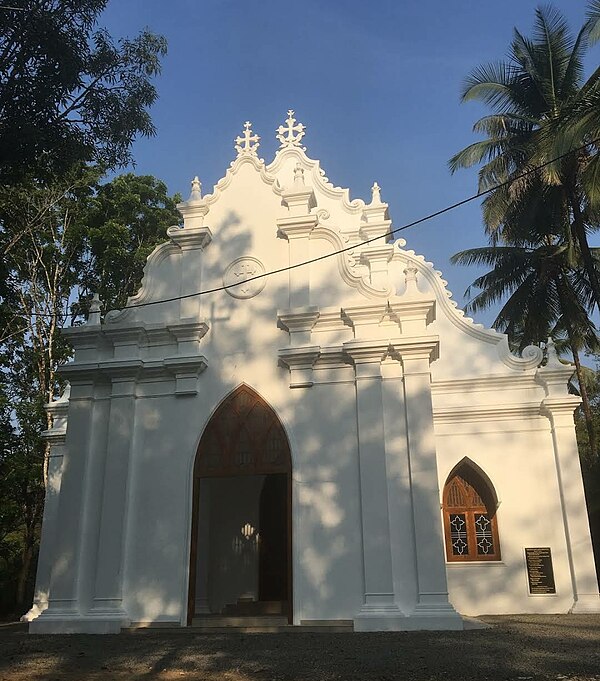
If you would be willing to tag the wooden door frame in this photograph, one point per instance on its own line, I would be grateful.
(194, 546)
(263, 469)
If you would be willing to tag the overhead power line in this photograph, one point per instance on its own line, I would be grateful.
(391, 233)
(359, 244)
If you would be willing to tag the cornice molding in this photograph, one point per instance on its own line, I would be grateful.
(475, 413)
(134, 369)
(485, 383)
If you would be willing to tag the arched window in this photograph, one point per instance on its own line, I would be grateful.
(470, 523)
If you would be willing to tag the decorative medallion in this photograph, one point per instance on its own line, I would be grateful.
(243, 278)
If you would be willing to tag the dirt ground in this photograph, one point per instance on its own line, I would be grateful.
(519, 648)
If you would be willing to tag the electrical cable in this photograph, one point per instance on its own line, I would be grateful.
(359, 244)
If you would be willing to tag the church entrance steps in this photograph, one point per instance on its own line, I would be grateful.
(218, 624)
(239, 621)
(251, 608)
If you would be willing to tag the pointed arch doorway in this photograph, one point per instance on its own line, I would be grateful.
(240, 558)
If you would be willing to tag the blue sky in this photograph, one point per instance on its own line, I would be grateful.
(376, 83)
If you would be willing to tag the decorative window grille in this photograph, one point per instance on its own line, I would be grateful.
(470, 523)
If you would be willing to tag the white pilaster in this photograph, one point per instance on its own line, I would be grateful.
(432, 598)
(55, 437)
(379, 611)
(559, 406)
(107, 601)
(192, 239)
(296, 227)
(63, 613)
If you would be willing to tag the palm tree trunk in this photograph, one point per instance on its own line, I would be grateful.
(578, 230)
(585, 402)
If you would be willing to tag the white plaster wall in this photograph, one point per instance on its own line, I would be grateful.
(518, 459)
(242, 345)
(320, 423)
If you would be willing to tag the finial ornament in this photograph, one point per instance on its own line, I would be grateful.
(196, 193)
(551, 354)
(290, 134)
(298, 176)
(249, 143)
(375, 193)
(410, 277)
(94, 314)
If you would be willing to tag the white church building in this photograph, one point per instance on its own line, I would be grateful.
(321, 438)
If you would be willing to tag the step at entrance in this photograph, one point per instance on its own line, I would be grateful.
(237, 621)
(251, 608)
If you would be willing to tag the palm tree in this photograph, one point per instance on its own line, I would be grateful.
(543, 295)
(536, 95)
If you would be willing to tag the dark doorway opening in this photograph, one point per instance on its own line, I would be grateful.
(240, 558)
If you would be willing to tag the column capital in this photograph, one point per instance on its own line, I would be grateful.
(299, 200)
(190, 238)
(416, 352)
(186, 371)
(188, 333)
(299, 323)
(193, 213)
(413, 314)
(560, 409)
(300, 362)
(367, 356)
(375, 229)
(364, 316)
(297, 227)
(555, 379)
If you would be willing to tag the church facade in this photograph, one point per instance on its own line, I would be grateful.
(321, 436)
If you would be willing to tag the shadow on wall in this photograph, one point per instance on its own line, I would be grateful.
(328, 497)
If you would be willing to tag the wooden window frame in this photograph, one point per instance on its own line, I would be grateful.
(481, 502)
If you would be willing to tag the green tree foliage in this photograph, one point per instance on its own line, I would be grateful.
(72, 100)
(70, 93)
(543, 272)
(590, 461)
(536, 97)
(127, 218)
(74, 236)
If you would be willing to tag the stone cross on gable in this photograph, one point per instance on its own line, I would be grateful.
(249, 143)
(290, 134)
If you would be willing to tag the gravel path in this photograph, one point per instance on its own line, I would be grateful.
(517, 648)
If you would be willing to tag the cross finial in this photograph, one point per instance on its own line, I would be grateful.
(196, 193)
(249, 143)
(290, 134)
